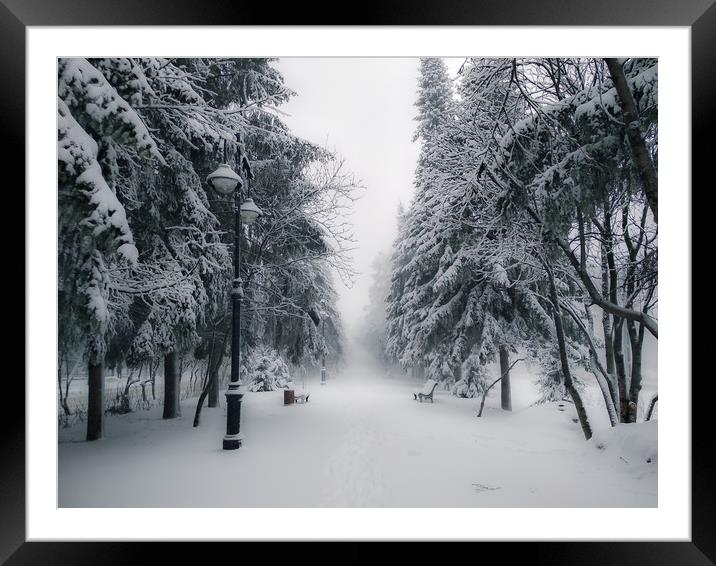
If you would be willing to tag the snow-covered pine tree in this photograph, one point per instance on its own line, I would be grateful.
(470, 286)
(184, 266)
(421, 241)
(394, 312)
(447, 298)
(95, 238)
(498, 318)
(265, 370)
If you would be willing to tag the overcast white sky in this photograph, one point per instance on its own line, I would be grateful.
(364, 109)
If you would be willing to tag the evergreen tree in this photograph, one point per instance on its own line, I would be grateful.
(95, 238)
(420, 240)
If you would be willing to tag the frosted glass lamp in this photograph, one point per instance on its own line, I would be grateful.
(249, 211)
(224, 179)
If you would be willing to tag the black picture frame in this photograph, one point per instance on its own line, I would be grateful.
(699, 15)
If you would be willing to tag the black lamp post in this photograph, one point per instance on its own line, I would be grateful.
(226, 181)
(323, 359)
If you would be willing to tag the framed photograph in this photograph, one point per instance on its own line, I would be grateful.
(390, 279)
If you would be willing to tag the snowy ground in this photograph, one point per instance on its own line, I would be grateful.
(362, 441)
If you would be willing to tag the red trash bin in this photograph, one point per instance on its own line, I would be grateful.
(289, 396)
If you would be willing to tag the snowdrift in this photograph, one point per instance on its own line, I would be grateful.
(634, 443)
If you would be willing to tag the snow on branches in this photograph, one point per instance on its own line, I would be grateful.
(99, 108)
(146, 248)
(79, 171)
(526, 183)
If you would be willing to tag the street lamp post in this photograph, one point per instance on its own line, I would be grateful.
(226, 181)
(323, 359)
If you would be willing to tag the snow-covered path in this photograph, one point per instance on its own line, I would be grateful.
(361, 441)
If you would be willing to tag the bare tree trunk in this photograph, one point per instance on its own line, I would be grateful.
(199, 404)
(611, 392)
(212, 365)
(618, 342)
(153, 377)
(604, 382)
(568, 383)
(606, 317)
(504, 372)
(68, 380)
(202, 395)
(205, 386)
(505, 393)
(214, 388)
(172, 382)
(145, 401)
(652, 404)
(640, 153)
(617, 322)
(63, 398)
(125, 393)
(59, 376)
(606, 320)
(636, 339)
(217, 357)
(484, 396)
(95, 400)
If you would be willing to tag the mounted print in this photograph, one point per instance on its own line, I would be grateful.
(358, 282)
(396, 282)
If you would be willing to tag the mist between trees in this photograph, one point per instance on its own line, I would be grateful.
(532, 232)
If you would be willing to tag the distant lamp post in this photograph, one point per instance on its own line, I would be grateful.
(226, 181)
(322, 321)
(323, 359)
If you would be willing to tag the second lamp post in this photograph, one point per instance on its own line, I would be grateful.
(323, 359)
(226, 181)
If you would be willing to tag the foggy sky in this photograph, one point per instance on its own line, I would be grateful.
(364, 109)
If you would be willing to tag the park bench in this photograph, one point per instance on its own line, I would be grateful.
(290, 397)
(427, 391)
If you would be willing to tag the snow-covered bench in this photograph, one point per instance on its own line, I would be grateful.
(427, 391)
(290, 397)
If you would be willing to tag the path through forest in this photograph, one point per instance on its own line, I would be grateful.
(361, 441)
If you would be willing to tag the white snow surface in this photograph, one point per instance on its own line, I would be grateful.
(633, 443)
(363, 441)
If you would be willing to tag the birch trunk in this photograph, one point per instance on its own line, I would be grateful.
(505, 392)
(568, 383)
(639, 152)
